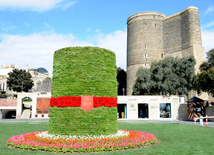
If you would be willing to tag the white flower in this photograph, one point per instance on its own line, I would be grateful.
(45, 134)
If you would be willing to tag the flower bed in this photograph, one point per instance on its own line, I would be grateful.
(124, 139)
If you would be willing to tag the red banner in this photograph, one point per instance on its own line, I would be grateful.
(72, 101)
(86, 103)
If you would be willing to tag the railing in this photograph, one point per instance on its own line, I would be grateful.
(201, 120)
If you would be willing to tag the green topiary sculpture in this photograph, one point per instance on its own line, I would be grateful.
(84, 92)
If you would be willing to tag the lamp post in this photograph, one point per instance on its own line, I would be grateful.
(22, 85)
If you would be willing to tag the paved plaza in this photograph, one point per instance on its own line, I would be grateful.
(45, 120)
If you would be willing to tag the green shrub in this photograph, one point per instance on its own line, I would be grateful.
(74, 121)
(83, 71)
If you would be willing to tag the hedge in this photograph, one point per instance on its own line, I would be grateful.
(83, 71)
(74, 121)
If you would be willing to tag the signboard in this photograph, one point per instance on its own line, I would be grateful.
(198, 109)
(43, 104)
(86, 103)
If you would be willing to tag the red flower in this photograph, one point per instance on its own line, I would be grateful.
(73, 101)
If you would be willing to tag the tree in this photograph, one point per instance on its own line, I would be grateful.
(210, 61)
(45, 85)
(204, 81)
(210, 58)
(170, 76)
(203, 66)
(121, 81)
(143, 84)
(19, 80)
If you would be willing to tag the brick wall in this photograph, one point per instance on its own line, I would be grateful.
(8, 102)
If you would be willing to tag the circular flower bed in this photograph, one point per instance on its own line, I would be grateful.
(124, 139)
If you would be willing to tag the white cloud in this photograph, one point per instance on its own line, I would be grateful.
(26, 24)
(67, 5)
(98, 30)
(6, 26)
(88, 30)
(207, 40)
(48, 29)
(206, 26)
(115, 42)
(209, 10)
(34, 5)
(36, 50)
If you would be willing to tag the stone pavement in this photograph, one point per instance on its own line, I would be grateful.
(46, 120)
(210, 124)
(24, 120)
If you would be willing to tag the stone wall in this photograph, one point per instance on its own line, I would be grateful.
(182, 36)
(172, 35)
(182, 112)
(209, 111)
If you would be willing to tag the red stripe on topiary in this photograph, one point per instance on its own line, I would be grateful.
(72, 101)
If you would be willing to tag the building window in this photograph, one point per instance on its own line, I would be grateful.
(154, 16)
(165, 110)
(161, 55)
(145, 55)
(143, 111)
(122, 110)
(155, 25)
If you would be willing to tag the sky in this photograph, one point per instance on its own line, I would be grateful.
(32, 30)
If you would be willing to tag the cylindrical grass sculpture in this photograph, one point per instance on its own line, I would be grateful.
(84, 92)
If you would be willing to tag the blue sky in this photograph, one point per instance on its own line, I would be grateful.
(31, 30)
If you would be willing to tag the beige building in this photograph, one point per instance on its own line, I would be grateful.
(4, 70)
(36, 77)
(152, 107)
(129, 107)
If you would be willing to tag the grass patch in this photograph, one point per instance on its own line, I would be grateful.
(173, 138)
(27, 101)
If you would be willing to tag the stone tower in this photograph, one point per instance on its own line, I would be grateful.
(152, 36)
(182, 35)
(144, 43)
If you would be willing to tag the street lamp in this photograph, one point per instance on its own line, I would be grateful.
(22, 85)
